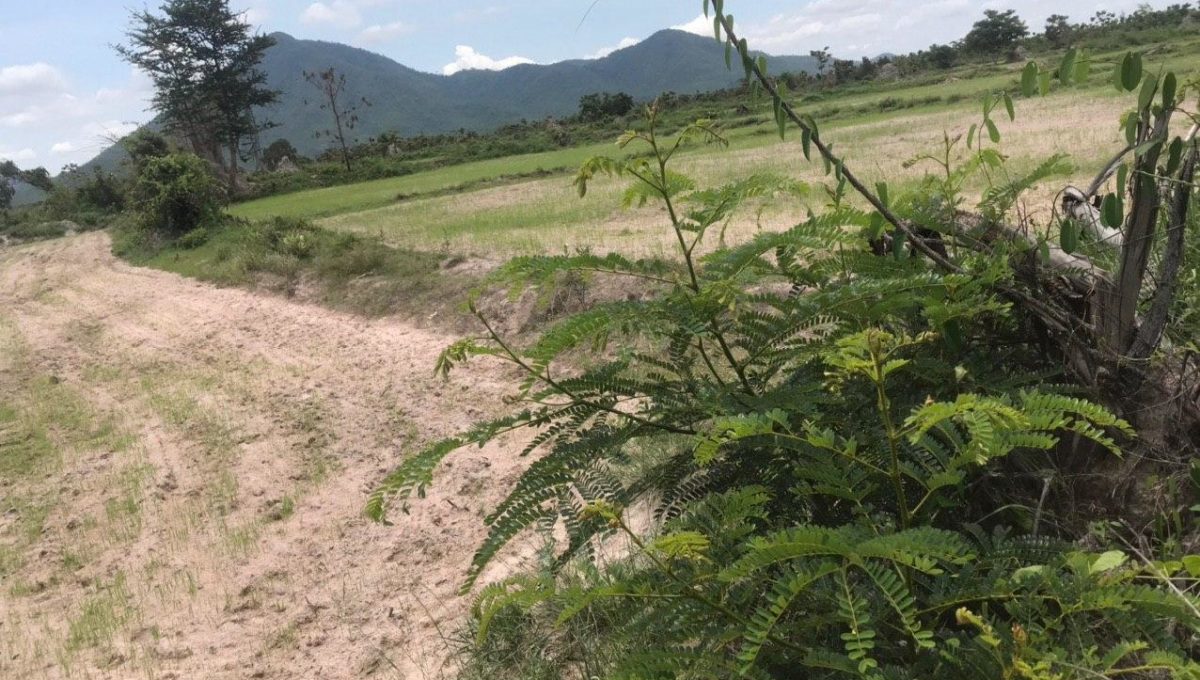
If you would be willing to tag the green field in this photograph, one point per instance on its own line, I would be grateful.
(525, 203)
(848, 108)
(376, 193)
(547, 215)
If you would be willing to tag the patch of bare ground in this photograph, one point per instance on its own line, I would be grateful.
(185, 469)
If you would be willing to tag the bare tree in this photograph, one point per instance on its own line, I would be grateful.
(345, 116)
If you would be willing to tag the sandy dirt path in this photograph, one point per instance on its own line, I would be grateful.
(200, 516)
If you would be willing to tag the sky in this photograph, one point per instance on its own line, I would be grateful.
(64, 93)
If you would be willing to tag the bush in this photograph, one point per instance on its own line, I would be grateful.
(193, 239)
(350, 258)
(272, 183)
(32, 231)
(803, 445)
(102, 192)
(175, 194)
(604, 106)
(277, 151)
(145, 145)
(297, 244)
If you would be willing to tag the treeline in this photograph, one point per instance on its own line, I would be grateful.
(997, 36)
(1003, 35)
(282, 169)
(164, 190)
(14, 224)
(11, 176)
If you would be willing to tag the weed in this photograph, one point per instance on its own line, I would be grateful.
(25, 450)
(194, 238)
(71, 561)
(286, 638)
(282, 509)
(102, 616)
(242, 541)
(345, 271)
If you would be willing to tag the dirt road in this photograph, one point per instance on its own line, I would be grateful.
(190, 469)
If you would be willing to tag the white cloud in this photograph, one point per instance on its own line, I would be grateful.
(701, 25)
(18, 119)
(841, 23)
(27, 79)
(18, 155)
(468, 59)
(856, 28)
(59, 123)
(605, 51)
(339, 13)
(380, 33)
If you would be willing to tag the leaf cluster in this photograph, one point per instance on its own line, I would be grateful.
(780, 466)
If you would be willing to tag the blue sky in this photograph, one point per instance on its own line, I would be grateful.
(63, 91)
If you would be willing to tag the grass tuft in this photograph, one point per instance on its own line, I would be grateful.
(354, 273)
(102, 616)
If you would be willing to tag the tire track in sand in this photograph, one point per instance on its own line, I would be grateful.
(253, 427)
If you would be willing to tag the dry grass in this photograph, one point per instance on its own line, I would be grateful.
(81, 485)
(183, 471)
(547, 216)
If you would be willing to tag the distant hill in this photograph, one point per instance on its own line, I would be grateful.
(412, 102)
(27, 195)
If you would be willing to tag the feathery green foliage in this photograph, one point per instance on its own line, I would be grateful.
(774, 468)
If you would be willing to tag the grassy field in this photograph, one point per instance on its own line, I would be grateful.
(330, 201)
(335, 269)
(334, 200)
(547, 215)
(494, 208)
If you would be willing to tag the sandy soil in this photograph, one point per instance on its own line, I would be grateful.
(251, 429)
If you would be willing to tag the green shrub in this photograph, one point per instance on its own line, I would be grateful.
(801, 444)
(193, 239)
(102, 191)
(31, 231)
(350, 258)
(175, 194)
(297, 244)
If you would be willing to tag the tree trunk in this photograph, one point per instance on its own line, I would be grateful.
(233, 168)
(1119, 303)
(337, 119)
(1149, 335)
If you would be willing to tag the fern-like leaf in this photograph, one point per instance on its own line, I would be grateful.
(783, 592)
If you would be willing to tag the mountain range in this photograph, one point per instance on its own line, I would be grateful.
(411, 102)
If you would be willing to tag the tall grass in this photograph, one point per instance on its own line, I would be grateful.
(290, 256)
